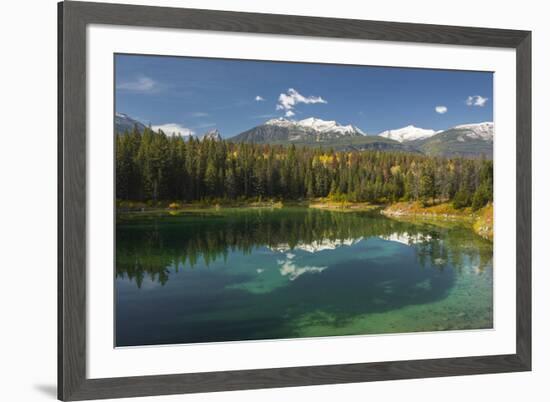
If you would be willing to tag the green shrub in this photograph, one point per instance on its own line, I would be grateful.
(480, 199)
(461, 199)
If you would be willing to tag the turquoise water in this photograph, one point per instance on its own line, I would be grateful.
(248, 274)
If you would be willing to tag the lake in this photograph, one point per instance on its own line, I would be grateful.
(251, 274)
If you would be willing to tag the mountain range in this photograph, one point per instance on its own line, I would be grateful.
(125, 123)
(317, 132)
(467, 140)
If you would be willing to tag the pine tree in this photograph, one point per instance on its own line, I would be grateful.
(427, 185)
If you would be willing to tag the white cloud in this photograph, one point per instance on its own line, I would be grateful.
(141, 84)
(292, 97)
(258, 98)
(476, 100)
(441, 109)
(173, 129)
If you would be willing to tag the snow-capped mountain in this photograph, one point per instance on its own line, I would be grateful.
(317, 125)
(213, 135)
(124, 123)
(310, 130)
(408, 133)
(483, 131)
(466, 140)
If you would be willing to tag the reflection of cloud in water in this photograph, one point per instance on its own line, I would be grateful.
(315, 246)
(290, 269)
(407, 238)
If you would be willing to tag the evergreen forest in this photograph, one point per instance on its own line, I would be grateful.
(151, 166)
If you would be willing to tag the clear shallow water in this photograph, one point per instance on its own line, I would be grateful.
(294, 272)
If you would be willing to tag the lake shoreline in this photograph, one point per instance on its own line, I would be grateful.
(318, 203)
(481, 221)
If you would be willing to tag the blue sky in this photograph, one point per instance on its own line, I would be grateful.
(197, 94)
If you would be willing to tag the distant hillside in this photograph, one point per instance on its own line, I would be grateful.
(469, 140)
(364, 143)
(123, 123)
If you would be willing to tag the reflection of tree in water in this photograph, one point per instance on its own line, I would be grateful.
(456, 246)
(152, 245)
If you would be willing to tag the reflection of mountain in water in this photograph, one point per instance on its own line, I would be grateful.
(407, 238)
(152, 245)
(316, 245)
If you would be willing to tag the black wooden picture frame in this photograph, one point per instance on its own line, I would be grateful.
(73, 18)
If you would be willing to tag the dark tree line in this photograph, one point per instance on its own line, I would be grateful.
(154, 166)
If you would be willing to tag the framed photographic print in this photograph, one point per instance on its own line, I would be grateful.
(255, 201)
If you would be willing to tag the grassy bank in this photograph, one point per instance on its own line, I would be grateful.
(480, 221)
(318, 203)
(341, 206)
(139, 206)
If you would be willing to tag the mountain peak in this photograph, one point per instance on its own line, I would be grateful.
(484, 130)
(124, 123)
(309, 130)
(482, 124)
(280, 121)
(315, 124)
(213, 134)
(313, 121)
(408, 133)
